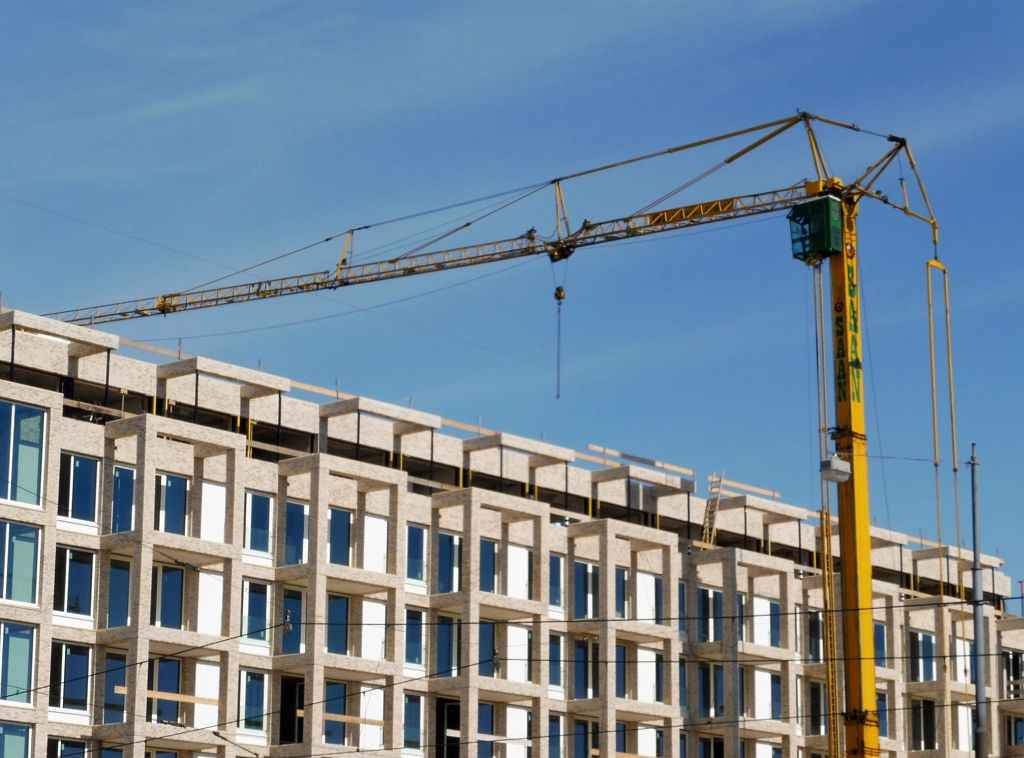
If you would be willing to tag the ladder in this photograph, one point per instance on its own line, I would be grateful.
(711, 509)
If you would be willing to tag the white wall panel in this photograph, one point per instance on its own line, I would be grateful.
(518, 572)
(207, 685)
(646, 607)
(516, 727)
(517, 653)
(375, 614)
(762, 621)
(213, 515)
(647, 741)
(375, 544)
(211, 600)
(762, 694)
(371, 706)
(646, 675)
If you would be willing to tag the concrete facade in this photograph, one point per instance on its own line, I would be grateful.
(644, 642)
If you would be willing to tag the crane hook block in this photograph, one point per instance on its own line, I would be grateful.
(559, 294)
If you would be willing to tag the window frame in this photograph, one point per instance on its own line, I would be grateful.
(412, 741)
(119, 561)
(247, 614)
(331, 511)
(66, 499)
(9, 454)
(297, 627)
(28, 690)
(109, 683)
(160, 513)
(248, 537)
(68, 553)
(156, 613)
(8, 578)
(58, 684)
(420, 626)
(422, 540)
(116, 506)
(288, 549)
(243, 726)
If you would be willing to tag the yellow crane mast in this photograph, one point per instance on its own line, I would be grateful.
(823, 214)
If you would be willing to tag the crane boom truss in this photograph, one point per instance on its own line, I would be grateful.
(528, 244)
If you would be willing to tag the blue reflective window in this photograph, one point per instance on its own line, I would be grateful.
(21, 452)
(337, 624)
(488, 565)
(167, 675)
(681, 609)
(291, 641)
(14, 740)
(414, 637)
(64, 749)
(620, 592)
(253, 693)
(555, 660)
(114, 703)
(257, 605)
(883, 714)
(171, 503)
(775, 621)
(122, 515)
(881, 659)
(119, 593)
(620, 737)
(340, 536)
(413, 721)
(620, 671)
(167, 596)
(448, 557)
(72, 591)
(447, 646)
(294, 533)
(16, 662)
(485, 725)
(488, 649)
(257, 522)
(586, 670)
(335, 701)
(415, 542)
(554, 737)
(776, 684)
(69, 676)
(19, 561)
(682, 684)
(585, 588)
(79, 479)
(659, 600)
(555, 580)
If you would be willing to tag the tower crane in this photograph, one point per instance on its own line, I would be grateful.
(823, 218)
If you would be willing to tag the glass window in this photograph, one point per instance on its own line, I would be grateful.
(815, 635)
(118, 593)
(620, 671)
(488, 565)
(586, 669)
(554, 736)
(709, 615)
(682, 685)
(449, 556)
(164, 676)
(339, 541)
(253, 693)
(415, 545)
(881, 658)
(337, 624)
(585, 604)
(21, 452)
(114, 677)
(620, 737)
(555, 563)
(882, 707)
(79, 479)
(1015, 730)
(69, 676)
(485, 725)
(414, 636)
(291, 639)
(295, 515)
(256, 613)
(258, 521)
(621, 592)
(741, 616)
(488, 649)
(64, 748)
(171, 503)
(413, 722)
(123, 512)
(111, 752)
(922, 657)
(555, 660)
(447, 646)
(776, 687)
(16, 661)
(681, 610)
(335, 703)
(166, 596)
(817, 708)
(922, 724)
(710, 690)
(72, 592)
(19, 561)
(585, 738)
(775, 624)
(13, 740)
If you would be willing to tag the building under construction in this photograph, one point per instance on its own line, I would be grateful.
(196, 563)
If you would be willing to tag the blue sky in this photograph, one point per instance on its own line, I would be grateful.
(149, 147)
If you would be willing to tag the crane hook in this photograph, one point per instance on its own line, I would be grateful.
(559, 294)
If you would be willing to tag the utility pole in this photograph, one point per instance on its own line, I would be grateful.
(978, 596)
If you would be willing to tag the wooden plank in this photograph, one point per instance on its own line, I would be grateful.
(172, 696)
(345, 719)
(749, 488)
